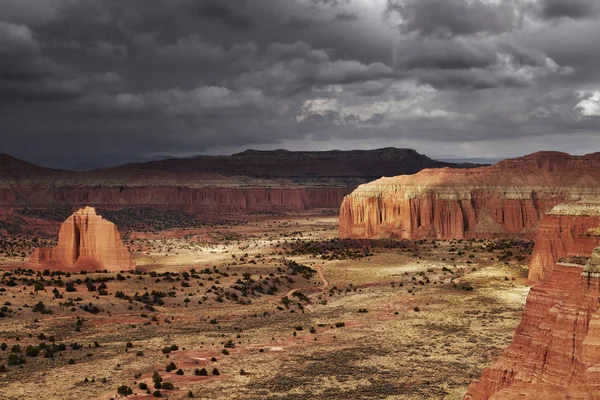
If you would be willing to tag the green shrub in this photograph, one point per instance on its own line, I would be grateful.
(124, 390)
(32, 351)
(15, 359)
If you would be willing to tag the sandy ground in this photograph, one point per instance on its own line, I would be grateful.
(400, 323)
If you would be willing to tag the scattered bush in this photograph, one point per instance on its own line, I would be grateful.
(32, 351)
(124, 390)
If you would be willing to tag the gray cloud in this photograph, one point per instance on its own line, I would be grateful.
(108, 78)
(330, 3)
(31, 12)
(290, 67)
(575, 9)
(230, 13)
(25, 74)
(446, 54)
(297, 22)
(346, 16)
(444, 18)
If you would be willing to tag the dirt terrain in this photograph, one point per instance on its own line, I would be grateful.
(264, 306)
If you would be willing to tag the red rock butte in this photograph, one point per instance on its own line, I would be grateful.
(555, 353)
(86, 242)
(506, 199)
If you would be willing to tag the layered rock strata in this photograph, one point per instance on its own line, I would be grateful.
(564, 235)
(86, 242)
(555, 353)
(252, 181)
(506, 199)
(190, 199)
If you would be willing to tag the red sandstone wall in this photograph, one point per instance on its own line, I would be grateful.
(506, 199)
(483, 215)
(561, 236)
(187, 199)
(555, 352)
(556, 343)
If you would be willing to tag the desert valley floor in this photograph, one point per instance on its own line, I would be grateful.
(262, 306)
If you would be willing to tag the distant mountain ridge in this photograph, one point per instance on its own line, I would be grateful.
(363, 165)
(250, 181)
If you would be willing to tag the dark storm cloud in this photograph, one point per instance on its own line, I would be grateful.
(26, 75)
(299, 22)
(446, 54)
(346, 16)
(230, 13)
(454, 17)
(20, 53)
(109, 78)
(575, 9)
(290, 67)
(331, 3)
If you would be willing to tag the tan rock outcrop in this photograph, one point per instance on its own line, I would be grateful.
(506, 199)
(555, 353)
(86, 242)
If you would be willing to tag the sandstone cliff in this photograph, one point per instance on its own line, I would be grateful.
(563, 234)
(507, 198)
(555, 353)
(246, 182)
(86, 242)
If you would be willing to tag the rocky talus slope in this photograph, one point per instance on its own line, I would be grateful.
(506, 199)
(555, 353)
(86, 242)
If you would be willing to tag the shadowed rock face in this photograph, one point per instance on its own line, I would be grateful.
(246, 182)
(86, 242)
(303, 167)
(506, 199)
(555, 353)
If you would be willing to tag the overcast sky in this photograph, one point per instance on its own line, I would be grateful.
(93, 80)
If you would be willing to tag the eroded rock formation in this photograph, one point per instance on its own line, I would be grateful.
(86, 242)
(555, 353)
(563, 235)
(507, 198)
